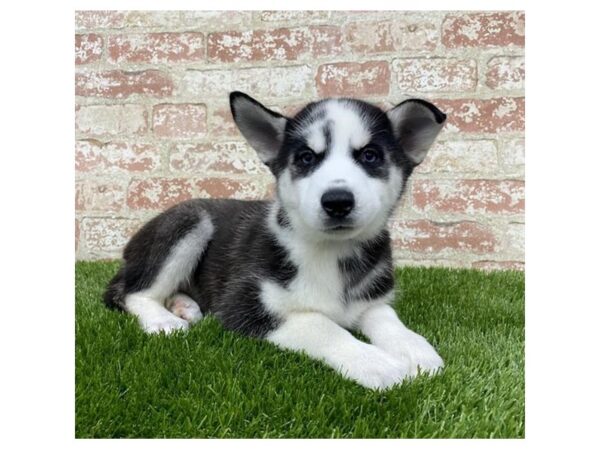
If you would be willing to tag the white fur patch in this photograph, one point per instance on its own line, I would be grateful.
(320, 338)
(385, 330)
(149, 305)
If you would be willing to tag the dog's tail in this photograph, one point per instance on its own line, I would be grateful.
(114, 296)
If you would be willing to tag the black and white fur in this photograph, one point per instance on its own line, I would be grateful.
(303, 269)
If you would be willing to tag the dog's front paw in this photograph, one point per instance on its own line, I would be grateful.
(375, 369)
(423, 357)
(164, 324)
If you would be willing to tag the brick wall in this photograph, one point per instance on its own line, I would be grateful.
(153, 126)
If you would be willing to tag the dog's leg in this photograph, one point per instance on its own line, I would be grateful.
(381, 325)
(323, 339)
(149, 305)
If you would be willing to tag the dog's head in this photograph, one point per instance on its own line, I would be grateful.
(341, 164)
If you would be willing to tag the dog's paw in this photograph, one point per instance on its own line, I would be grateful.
(424, 359)
(164, 324)
(375, 369)
(184, 307)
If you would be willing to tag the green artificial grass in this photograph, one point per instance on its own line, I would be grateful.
(209, 382)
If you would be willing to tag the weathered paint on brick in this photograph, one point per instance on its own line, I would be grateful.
(495, 115)
(179, 121)
(156, 48)
(97, 195)
(326, 41)
(486, 29)
(513, 153)
(157, 193)
(86, 20)
(221, 124)
(283, 44)
(88, 48)
(293, 16)
(423, 236)
(369, 37)
(452, 157)
(278, 82)
(435, 74)
(225, 158)
(416, 32)
(106, 237)
(506, 72)
(121, 84)
(112, 120)
(469, 196)
(353, 79)
(96, 157)
(213, 187)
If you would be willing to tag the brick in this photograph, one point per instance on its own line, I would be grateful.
(157, 193)
(513, 153)
(95, 157)
(506, 72)
(495, 115)
(179, 121)
(105, 236)
(353, 79)
(423, 236)
(86, 20)
(213, 187)
(461, 157)
(212, 20)
(277, 82)
(515, 238)
(113, 120)
(221, 124)
(369, 37)
(283, 44)
(121, 84)
(494, 29)
(326, 41)
(224, 158)
(200, 20)
(293, 16)
(418, 32)
(100, 195)
(77, 234)
(498, 265)
(88, 48)
(435, 74)
(469, 196)
(155, 48)
(79, 202)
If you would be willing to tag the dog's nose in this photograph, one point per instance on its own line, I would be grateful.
(337, 203)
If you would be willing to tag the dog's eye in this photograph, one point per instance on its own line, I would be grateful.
(306, 157)
(369, 156)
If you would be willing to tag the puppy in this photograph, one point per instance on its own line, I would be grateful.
(302, 269)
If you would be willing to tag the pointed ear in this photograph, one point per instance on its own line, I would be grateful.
(262, 128)
(416, 124)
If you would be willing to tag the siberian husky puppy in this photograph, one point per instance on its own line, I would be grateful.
(305, 268)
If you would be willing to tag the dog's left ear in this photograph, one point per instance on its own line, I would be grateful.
(416, 124)
(262, 128)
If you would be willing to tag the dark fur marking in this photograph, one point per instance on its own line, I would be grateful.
(355, 269)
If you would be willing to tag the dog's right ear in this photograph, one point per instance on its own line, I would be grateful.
(263, 129)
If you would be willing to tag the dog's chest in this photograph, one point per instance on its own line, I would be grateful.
(319, 286)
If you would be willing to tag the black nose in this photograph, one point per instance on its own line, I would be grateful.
(337, 203)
